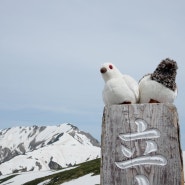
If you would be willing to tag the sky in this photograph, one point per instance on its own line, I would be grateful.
(51, 53)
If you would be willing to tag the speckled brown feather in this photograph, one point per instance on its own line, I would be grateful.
(165, 73)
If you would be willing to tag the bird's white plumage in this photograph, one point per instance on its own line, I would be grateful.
(150, 89)
(118, 88)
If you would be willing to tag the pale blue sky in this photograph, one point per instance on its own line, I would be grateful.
(51, 51)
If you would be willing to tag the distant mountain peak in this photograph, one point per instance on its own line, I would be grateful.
(39, 144)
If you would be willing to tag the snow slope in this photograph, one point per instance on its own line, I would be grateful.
(29, 176)
(85, 180)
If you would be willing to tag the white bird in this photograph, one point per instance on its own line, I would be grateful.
(160, 86)
(119, 88)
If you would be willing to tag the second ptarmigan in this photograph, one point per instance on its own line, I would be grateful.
(160, 86)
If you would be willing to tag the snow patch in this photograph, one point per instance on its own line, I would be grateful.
(87, 179)
(29, 176)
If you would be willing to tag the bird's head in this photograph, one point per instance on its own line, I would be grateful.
(109, 71)
(167, 67)
(165, 73)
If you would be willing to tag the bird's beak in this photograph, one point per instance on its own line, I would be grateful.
(103, 70)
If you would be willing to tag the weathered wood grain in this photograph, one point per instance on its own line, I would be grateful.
(121, 120)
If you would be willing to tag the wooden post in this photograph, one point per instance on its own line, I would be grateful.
(141, 145)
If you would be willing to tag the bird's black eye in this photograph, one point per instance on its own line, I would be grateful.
(110, 66)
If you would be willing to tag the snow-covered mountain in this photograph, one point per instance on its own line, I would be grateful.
(44, 148)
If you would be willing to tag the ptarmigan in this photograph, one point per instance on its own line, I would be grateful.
(160, 86)
(119, 88)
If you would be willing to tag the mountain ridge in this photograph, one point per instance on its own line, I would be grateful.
(44, 148)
